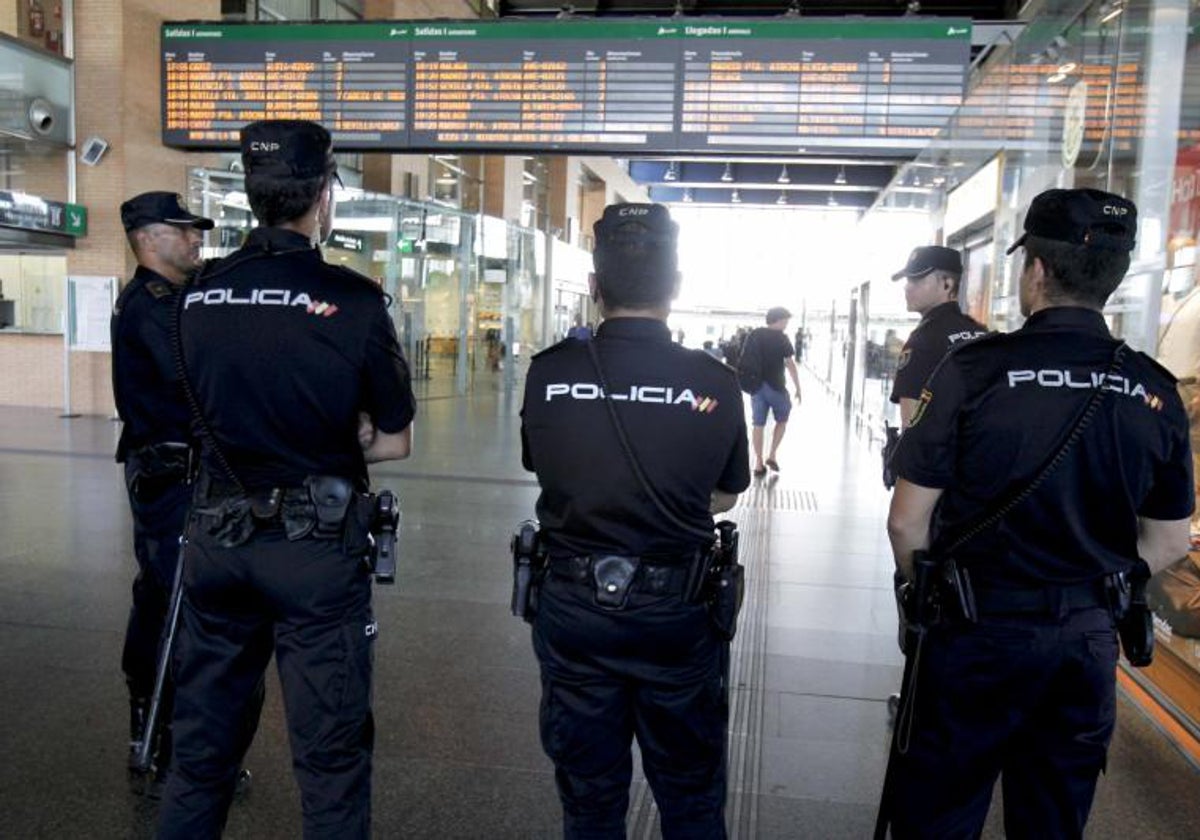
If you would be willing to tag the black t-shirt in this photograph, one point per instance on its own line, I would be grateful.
(941, 330)
(772, 347)
(682, 412)
(283, 351)
(146, 385)
(997, 408)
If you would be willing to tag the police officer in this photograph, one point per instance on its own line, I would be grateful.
(623, 653)
(932, 277)
(1026, 690)
(155, 438)
(285, 356)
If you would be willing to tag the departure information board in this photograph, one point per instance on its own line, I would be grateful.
(352, 79)
(511, 85)
(605, 87)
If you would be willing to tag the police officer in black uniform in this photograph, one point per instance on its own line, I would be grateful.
(299, 382)
(623, 653)
(1026, 689)
(155, 438)
(932, 276)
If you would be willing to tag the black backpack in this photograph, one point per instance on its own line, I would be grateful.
(749, 366)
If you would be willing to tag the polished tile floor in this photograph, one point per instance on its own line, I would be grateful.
(457, 691)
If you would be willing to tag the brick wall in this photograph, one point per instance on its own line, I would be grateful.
(31, 370)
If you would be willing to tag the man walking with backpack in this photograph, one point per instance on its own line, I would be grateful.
(765, 354)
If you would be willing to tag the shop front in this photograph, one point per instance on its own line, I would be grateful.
(1104, 95)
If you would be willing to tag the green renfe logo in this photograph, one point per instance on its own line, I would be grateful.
(75, 220)
(963, 30)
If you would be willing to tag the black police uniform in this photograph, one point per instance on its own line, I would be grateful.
(941, 329)
(153, 447)
(282, 351)
(655, 668)
(1029, 689)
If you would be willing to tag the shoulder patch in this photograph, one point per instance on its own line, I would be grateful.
(905, 358)
(158, 289)
(922, 404)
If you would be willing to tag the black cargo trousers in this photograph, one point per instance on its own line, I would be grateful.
(159, 507)
(309, 600)
(1029, 698)
(655, 669)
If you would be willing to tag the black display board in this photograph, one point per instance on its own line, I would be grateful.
(595, 86)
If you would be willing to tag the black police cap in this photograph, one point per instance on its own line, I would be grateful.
(165, 208)
(929, 258)
(287, 148)
(635, 222)
(1082, 217)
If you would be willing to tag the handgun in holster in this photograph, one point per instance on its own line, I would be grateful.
(1135, 622)
(385, 525)
(528, 560)
(728, 577)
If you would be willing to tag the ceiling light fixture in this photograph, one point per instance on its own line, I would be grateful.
(672, 173)
(782, 198)
(784, 177)
(727, 175)
(832, 201)
(735, 197)
(1112, 13)
(687, 194)
(840, 180)
(1069, 67)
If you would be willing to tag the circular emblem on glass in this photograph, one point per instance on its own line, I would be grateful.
(1074, 123)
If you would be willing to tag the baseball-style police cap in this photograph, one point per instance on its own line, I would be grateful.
(1082, 217)
(929, 258)
(165, 208)
(287, 148)
(628, 222)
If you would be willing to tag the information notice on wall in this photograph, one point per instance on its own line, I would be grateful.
(595, 86)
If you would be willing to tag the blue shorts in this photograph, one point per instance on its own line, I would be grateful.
(766, 397)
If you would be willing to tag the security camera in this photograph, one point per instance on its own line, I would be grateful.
(41, 117)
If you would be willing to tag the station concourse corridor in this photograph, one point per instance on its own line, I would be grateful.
(456, 694)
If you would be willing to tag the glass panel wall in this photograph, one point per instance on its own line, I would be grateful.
(466, 289)
(31, 292)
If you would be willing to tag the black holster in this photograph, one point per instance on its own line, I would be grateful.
(921, 602)
(154, 468)
(727, 580)
(891, 439)
(529, 562)
(384, 518)
(1135, 622)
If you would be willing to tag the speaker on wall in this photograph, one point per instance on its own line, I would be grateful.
(92, 150)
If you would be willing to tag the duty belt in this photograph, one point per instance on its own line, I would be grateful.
(612, 577)
(1048, 601)
(319, 507)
